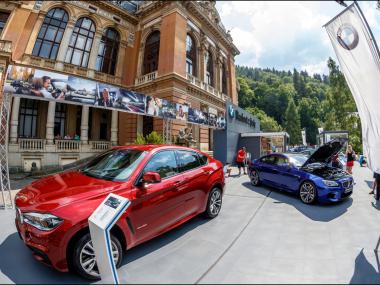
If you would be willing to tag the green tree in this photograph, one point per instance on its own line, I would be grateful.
(246, 96)
(267, 124)
(292, 123)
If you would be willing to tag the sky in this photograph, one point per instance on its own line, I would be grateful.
(287, 34)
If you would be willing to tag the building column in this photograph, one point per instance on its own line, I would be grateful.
(50, 123)
(84, 124)
(120, 61)
(94, 51)
(65, 42)
(114, 127)
(36, 30)
(14, 120)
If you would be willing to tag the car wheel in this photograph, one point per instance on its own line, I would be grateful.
(254, 176)
(308, 193)
(83, 257)
(214, 203)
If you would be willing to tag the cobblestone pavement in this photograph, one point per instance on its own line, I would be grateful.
(260, 236)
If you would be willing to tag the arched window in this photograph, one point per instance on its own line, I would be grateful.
(81, 42)
(209, 69)
(191, 56)
(151, 52)
(51, 33)
(108, 50)
(224, 79)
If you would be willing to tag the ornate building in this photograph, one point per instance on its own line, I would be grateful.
(176, 50)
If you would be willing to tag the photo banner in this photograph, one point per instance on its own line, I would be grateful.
(30, 82)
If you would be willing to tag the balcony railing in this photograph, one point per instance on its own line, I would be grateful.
(5, 46)
(203, 85)
(35, 145)
(146, 78)
(100, 145)
(67, 145)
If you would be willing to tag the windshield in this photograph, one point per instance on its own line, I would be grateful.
(297, 160)
(115, 165)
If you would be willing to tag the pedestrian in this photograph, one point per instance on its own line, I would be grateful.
(227, 169)
(240, 158)
(376, 185)
(350, 155)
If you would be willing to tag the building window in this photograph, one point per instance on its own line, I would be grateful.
(103, 135)
(78, 120)
(224, 79)
(151, 53)
(50, 36)
(209, 69)
(191, 56)
(59, 120)
(28, 118)
(3, 20)
(108, 50)
(81, 42)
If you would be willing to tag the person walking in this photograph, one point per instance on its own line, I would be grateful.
(376, 186)
(350, 155)
(240, 159)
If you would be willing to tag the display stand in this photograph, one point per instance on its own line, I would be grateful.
(100, 223)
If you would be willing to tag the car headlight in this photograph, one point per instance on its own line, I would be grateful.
(330, 183)
(43, 222)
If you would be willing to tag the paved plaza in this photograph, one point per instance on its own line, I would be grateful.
(260, 236)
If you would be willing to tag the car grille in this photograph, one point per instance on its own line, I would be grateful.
(347, 184)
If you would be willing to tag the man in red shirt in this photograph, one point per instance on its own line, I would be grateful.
(240, 159)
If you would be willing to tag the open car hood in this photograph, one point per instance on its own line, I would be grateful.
(325, 152)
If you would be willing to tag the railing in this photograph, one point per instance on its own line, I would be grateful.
(100, 145)
(5, 46)
(203, 85)
(31, 144)
(146, 78)
(67, 145)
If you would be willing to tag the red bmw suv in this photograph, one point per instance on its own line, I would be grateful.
(167, 186)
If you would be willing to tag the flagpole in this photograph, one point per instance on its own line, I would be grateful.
(368, 28)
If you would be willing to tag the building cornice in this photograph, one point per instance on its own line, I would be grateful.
(115, 10)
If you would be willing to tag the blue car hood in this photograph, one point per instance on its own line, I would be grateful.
(326, 151)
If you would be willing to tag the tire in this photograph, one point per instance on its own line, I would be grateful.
(214, 203)
(83, 253)
(308, 193)
(254, 177)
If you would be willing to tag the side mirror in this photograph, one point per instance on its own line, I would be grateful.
(151, 177)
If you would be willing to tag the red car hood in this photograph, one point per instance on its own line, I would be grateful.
(61, 189)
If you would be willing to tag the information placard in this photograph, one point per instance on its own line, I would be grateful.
(100, 223)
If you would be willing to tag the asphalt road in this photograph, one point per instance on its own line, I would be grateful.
(260, 236)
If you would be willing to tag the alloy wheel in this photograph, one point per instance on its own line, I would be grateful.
(254, 178)
(307, 193)
(88, 260)
(215, 202)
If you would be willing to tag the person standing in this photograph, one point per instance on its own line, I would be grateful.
(376, 186)
(240, 159)
(350, 155)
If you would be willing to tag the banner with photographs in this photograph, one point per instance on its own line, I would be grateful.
(46, 85)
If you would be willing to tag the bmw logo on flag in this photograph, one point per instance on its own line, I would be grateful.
(347, 36)
(231, 111)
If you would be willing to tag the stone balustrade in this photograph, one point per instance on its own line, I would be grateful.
(67, 145)
(146, 78)
(34, 145)
(100, 145)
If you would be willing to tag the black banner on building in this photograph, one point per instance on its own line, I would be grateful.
(46, 85)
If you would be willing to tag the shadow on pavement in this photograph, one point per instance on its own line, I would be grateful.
(364, 272)
(16, 257)
(369, 183)
(318, 212)
(163, 240)
(18, 264)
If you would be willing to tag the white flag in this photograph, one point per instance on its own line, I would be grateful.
(359, 60)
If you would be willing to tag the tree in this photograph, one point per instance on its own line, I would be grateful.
(246, 96)
(267, 124)
(292, 123)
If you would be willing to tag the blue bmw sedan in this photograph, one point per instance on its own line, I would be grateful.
(312, 178)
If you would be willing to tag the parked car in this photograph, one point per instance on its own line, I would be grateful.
(167, 185)
(309, 177)
(308, 151)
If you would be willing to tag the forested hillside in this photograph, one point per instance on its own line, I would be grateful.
(293, 100)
